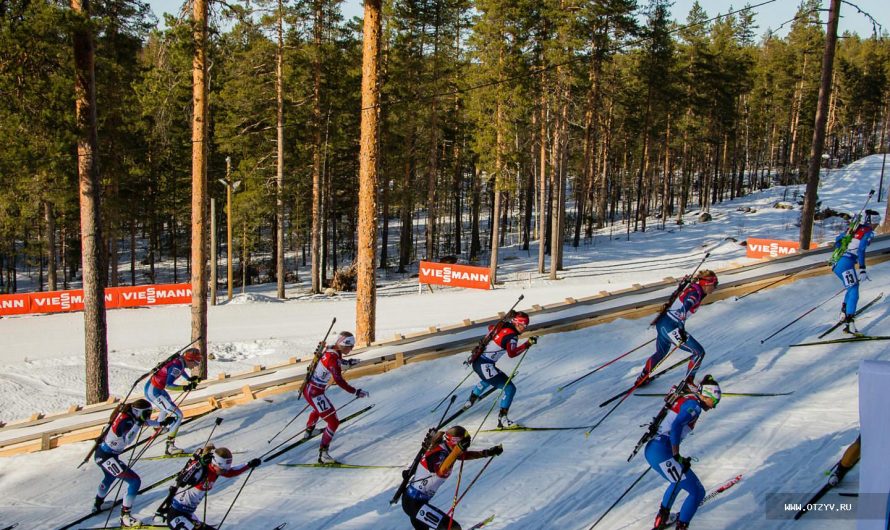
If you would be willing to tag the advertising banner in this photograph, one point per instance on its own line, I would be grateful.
(453, 275)
(771, 248)
(62, 301)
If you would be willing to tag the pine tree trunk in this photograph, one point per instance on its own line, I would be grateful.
(199, 182)
(316, 244)
(51, 258)
(279, 166)
(475, 210)
(95, 329)
(456, 200)
(542, 221)
(809, 203)
(366, 291)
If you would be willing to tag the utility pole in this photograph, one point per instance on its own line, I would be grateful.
(230, 190)
(213, 256)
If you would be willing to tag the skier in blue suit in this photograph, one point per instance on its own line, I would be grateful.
(845, 268)
(663, 451)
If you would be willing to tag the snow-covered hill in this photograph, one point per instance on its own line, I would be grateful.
(553, 479)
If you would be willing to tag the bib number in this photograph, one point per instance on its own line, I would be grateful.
(671, 470)
(675, 336)
(321, 403)
(849, 278)
(112, 466)
(489, 370)
(429, 516)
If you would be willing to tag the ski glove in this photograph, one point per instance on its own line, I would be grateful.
(494, 451)
(254, 463)
(361, 393)
(533, 340)
(684, 461)
(351, 362)
(190, 386)
(168, 421)
(464, 444)
(195, 378)
(863, 276)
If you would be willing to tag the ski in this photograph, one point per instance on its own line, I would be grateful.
(10, 527)
(856, 314)
(735, 394)
(651, 378)
(304, 440)
(340, 465)
(461, 410)
(279, 527)
(672, 521)
(857, 338)
(181, 455)
(482, 523)
(815, 498)
(627, 393)
(848, 494)
(138, 526)
(525, 428)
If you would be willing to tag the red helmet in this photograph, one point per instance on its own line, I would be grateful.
(456, 435)
(707, 277)
(520, 318)
(192, 356)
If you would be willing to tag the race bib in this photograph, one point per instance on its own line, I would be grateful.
(849, 278)
(488, 370)
(675, 336)
(112, 465)
(429, 516)
(672, 470)
(321, 402)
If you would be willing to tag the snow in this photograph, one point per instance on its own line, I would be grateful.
(551, 479)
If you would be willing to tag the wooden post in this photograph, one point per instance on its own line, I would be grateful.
(213, 256)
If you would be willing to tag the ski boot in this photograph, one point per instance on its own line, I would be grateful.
(850, 325)
(324, 457)
(837, 475)
(99, 505)
(469, 403)
(504, 422)
(642, 380)
(662, 519)
(309, 432)
(171, 449)
(682, 526)
(127, 519)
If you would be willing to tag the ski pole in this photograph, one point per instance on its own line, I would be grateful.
(288, 424)
(453, 390)
(249, 473)
(609, 509)
(780, 280)
(460, 475)
(788, 325)
(406, 475)
(627, 394)
(600, 367)
(495, 402)
(479, 474)
(270, 451)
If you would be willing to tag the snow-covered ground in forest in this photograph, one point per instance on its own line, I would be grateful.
(555, 479)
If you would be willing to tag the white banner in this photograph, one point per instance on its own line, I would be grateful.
(874, 464)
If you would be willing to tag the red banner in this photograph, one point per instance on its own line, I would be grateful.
(454, 275)
(62, 301)
(771, 248)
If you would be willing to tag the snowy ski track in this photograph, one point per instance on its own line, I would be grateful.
(548, 479)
